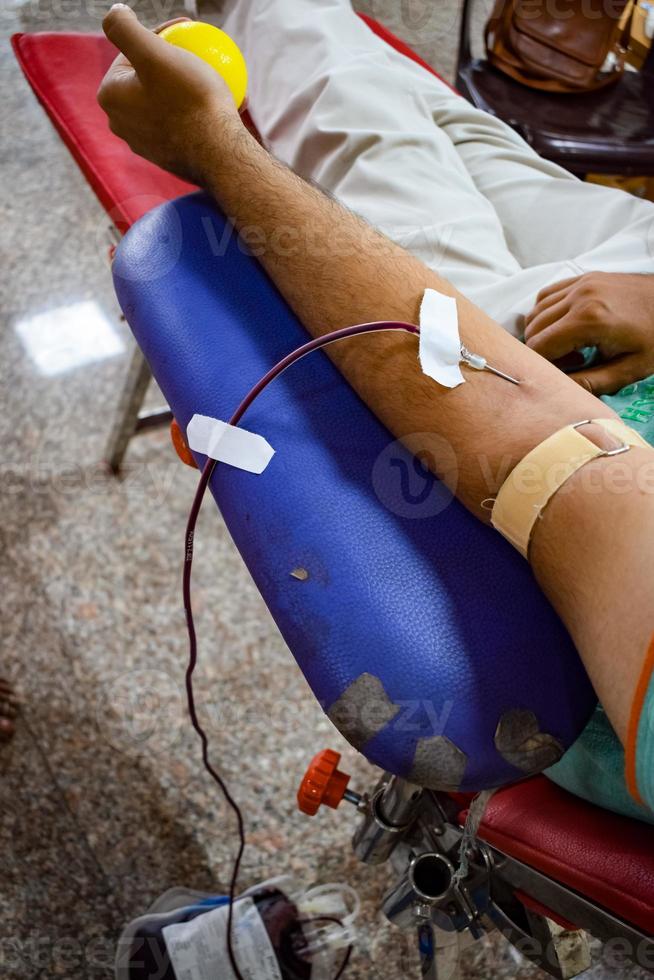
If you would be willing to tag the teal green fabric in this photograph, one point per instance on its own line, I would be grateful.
(635, 405)
(594, 767)
(645, 750)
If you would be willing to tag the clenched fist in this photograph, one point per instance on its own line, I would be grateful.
(166, 103)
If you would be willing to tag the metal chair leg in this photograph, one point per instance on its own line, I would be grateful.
(129, 406)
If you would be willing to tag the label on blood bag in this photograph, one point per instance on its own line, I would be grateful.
(198, 949)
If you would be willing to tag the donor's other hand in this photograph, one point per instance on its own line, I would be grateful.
(608, 310)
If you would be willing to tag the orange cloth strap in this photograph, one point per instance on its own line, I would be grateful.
(634, 723)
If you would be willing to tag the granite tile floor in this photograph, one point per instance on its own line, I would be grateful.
(103, 802)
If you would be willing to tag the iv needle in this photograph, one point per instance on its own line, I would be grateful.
(501, 374)
(480, 363)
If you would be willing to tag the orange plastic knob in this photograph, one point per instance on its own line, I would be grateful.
(323, 783)
(181, 445)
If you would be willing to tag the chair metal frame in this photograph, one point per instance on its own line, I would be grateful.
(450, 906)
(129, 417)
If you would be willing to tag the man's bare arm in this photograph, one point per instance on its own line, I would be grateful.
(335, 270)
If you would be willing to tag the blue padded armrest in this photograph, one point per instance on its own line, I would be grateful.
(421, 632)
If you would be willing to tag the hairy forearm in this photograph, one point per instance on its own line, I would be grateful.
(335, 270)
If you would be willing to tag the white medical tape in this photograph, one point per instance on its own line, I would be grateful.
(229, 443)
(440, 343)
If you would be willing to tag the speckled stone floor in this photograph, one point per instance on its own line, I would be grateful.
(104, 804)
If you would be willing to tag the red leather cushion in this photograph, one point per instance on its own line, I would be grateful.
(65, 71)
(607, 858)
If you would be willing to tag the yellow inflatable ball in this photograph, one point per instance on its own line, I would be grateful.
(216, 48)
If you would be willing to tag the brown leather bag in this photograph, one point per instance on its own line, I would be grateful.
(557, 45)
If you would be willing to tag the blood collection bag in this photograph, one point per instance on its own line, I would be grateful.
(280, 932)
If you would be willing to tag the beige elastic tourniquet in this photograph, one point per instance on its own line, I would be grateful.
(534, 481)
